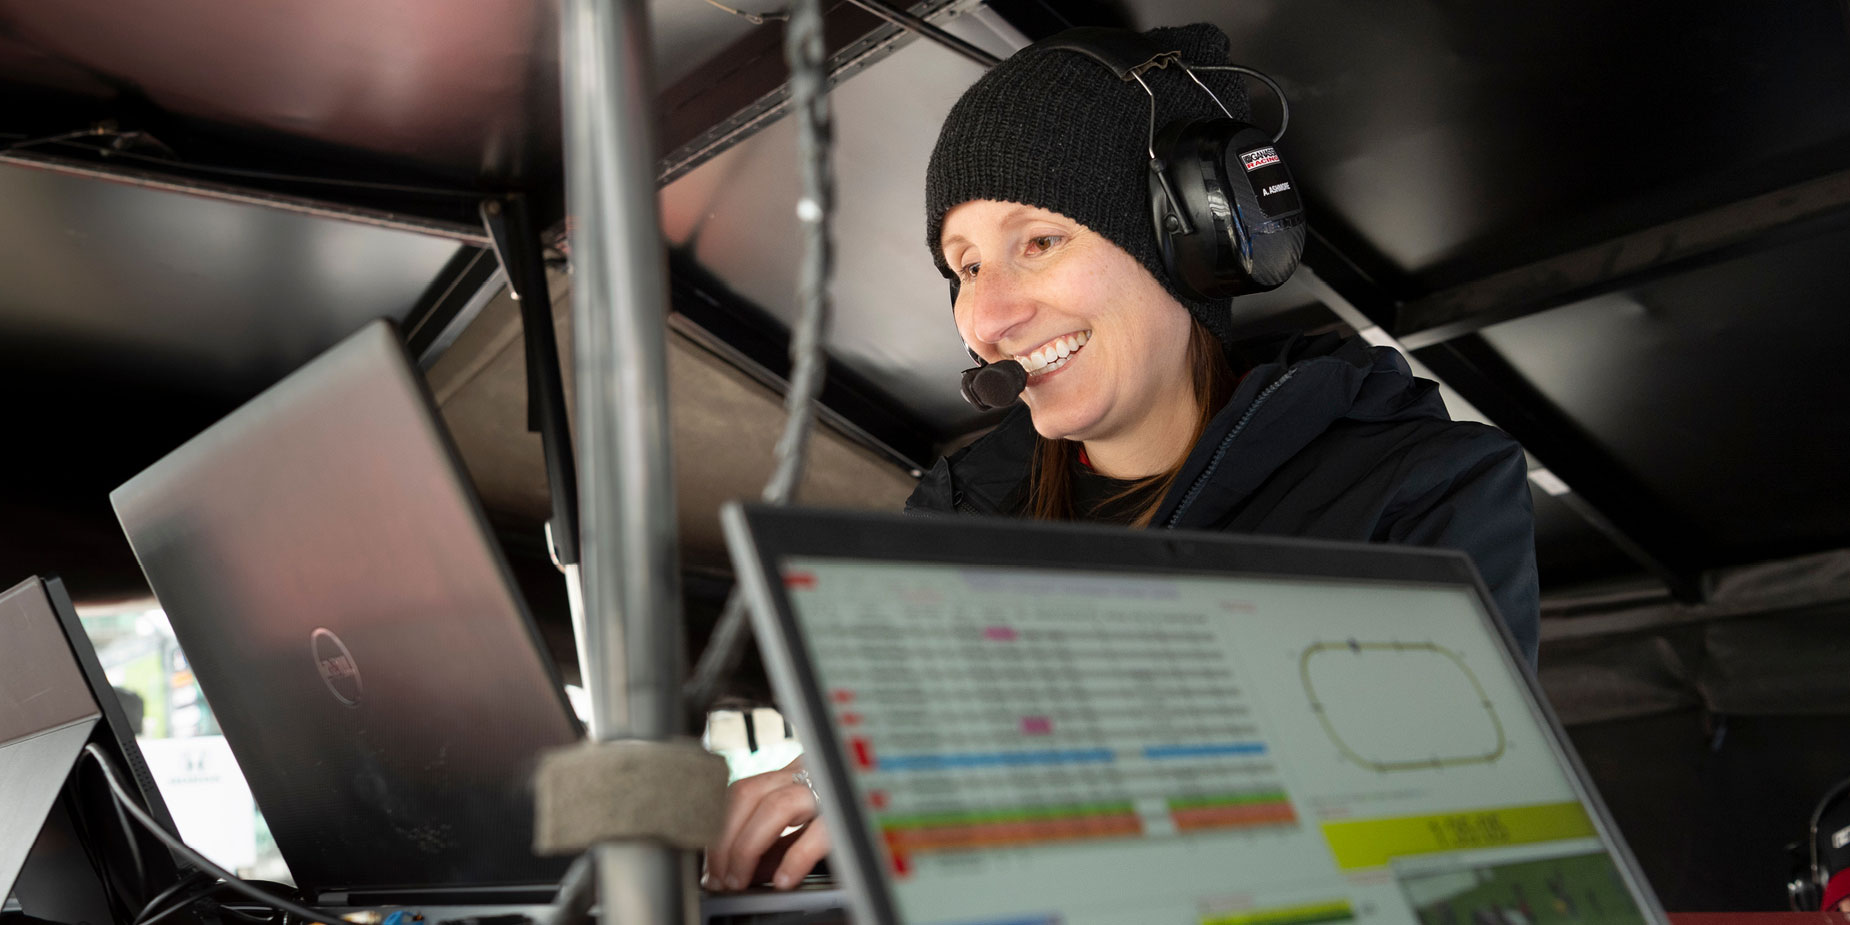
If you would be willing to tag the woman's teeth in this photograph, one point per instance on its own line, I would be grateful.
(1053, 355)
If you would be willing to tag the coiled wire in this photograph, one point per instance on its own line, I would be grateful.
(807, 55)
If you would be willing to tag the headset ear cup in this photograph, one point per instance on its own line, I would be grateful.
(1208, 260)
(1246, 223)
(1267, 203)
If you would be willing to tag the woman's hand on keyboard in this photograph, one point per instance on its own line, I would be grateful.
(752, 846)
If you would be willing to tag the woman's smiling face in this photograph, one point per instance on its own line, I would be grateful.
(1104, 343)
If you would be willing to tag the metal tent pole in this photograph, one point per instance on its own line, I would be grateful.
(630, 574)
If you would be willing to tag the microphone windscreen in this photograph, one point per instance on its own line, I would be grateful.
(998, 384)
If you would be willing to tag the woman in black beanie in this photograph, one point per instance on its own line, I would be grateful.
(1136, 410)
(1140, 408)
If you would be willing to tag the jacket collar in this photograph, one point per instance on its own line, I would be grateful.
(1279, 407)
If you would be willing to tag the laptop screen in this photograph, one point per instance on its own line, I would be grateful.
(346, 608)
(1071, 745)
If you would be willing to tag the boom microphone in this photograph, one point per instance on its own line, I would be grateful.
(989, 386)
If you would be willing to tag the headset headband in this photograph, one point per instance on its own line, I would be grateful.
(1128, 54)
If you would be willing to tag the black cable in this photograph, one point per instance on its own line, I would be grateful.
(91, 842)
(200, 896)
(1056, 13)
(247, 917)
(200, 882)
(248, 174)
(1284, 105)
(27, 141)
(181, 904)
(756, 19)
(134, 850)
(65, 140)
(920, 27)
(806, 52)
(161, 907)
(186, 852)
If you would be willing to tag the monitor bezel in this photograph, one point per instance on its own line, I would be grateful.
(760, 537)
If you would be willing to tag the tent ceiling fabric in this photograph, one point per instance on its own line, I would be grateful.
(736, 216)
(466, 96)
(215, 296)
(131, 319)
(1771, 641)
(723, 424)
(1570, 552)
(468, 92)
(1723, 388)
(1440, 143)
(1461, 138)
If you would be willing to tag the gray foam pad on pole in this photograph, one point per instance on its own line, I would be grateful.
(673, 792)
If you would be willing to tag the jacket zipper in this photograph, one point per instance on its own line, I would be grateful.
(1220, 452)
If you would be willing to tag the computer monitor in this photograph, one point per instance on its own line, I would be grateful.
(1028, 722)
(63, 849)
(356, 632)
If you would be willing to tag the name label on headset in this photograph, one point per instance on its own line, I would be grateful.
(1259, 157)
(1271, 184)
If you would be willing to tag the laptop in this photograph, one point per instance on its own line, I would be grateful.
(357, 634)
(1022, 722)
(62, 848)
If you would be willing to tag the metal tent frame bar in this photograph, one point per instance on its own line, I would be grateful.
(630, 575)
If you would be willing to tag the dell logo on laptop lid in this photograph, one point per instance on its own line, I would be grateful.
(337, 668)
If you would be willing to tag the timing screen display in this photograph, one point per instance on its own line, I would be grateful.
(1052, 747)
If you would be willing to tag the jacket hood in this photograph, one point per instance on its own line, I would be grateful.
(1280, 405)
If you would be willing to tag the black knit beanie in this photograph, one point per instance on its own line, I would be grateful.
(1058, 130)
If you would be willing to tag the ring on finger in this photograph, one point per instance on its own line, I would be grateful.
(802, 777)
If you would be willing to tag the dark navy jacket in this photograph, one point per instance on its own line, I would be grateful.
(1332, 439)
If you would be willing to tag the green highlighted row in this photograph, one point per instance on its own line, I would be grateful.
(1248, 798)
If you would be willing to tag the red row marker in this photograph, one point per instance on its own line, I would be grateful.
(863, 753)
(804, 581)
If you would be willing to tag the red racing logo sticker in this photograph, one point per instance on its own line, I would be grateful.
(1259, 157)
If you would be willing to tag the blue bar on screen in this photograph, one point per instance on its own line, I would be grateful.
(1158, 752)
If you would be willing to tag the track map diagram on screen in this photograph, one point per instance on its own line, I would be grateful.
(1041, 746)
